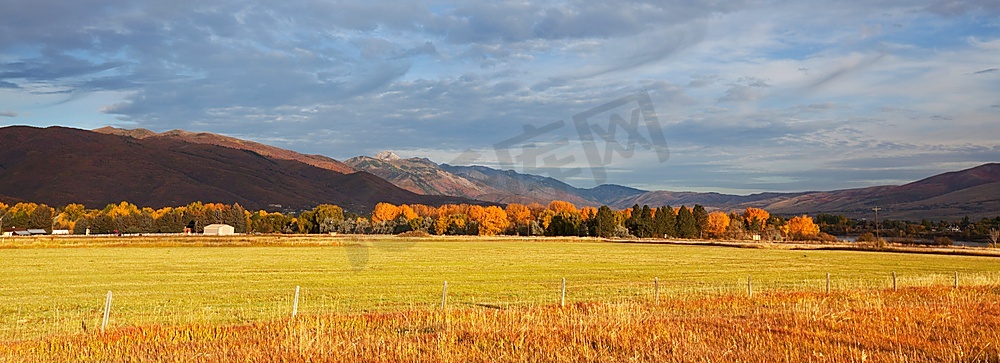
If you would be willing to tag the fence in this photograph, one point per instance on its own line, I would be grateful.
(127, 308)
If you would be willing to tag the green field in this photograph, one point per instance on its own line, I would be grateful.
(59, 290)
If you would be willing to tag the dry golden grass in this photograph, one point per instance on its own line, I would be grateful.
(911, 325)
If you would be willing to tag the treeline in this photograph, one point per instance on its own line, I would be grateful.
(558, 218)
(902, 231)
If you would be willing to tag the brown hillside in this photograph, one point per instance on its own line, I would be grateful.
(318, 161)
(59, 165)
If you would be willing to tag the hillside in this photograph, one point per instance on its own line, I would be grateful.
(318, 161)
(59, 165)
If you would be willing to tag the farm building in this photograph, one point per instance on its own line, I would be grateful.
(219, 230)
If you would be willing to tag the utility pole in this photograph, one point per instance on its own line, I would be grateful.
(877, 239)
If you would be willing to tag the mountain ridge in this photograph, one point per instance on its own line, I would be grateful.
(973, 192)
(58, 165)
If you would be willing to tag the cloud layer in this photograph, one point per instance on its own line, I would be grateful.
(751, 96)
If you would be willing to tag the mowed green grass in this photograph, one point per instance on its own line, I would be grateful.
(62, 290)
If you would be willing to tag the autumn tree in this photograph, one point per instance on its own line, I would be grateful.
(756, 219)
(562, 206)
(520, 217)
(493, 222)
(588, 213)
(716, 224)
(407, 212)
(801, 228)
(384, 212)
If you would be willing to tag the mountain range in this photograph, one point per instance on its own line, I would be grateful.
(60, 165)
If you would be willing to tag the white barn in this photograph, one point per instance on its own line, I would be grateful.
(219, 230)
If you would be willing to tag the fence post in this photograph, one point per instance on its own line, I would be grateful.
(956, 279)
(562, 299)
(107, 312)
(444, 296)
(656, 289)
(894, 281)
(749, 288)
(827, 282)
(295, 303)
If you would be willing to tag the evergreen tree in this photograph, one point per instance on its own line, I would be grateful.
(604, 222)
(700, 219)
(632, 222)
(644, 224)
(664, 222)
(686, 225)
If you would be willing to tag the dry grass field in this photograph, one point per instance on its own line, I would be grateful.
(378, 299)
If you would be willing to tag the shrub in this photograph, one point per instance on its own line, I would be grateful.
(866, 237)
(414, 234)
(943, 241)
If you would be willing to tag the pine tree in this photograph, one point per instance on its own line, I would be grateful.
(700, 219)
(666, 221)
(686, 224)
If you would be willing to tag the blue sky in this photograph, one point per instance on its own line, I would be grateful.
(749, 96)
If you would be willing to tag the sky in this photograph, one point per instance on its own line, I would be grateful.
(683, 95)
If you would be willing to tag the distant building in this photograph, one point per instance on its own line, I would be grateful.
(60, 231)
(36, 231)
(219, 230)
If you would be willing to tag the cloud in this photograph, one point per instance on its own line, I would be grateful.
(742, 88)
(8, 114)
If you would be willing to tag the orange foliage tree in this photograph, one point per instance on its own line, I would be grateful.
(560, 206)
(801, 228)
(756, 218)
(518, 214)
(588, 213)
(384, 212)
(493, 222)
(717, 224)
(424, 210)
(407, 212)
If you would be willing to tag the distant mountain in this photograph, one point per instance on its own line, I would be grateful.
(417, 175)
(972, 192)
(177, 167)
(514, 187)
(318, 161)
(423, 176)
(59, 165)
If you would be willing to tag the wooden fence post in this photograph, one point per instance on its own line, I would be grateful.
(295, 303)
(562, 299)
(749, 288)
(827, 282)
(956, 279)
(107, 312)
(894, 281)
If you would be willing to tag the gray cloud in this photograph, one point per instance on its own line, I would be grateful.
(354, 77)
(8, 114)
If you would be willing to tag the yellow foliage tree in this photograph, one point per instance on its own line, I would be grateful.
(493, 222)
(560, 206)
(384, 212)
(588, 213)
(518, 214)
(424, 210)
(801, 228)
(717, 224)
(756, 218)
(476, 213)
(407, 212)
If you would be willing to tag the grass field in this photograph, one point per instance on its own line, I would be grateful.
(59, 291)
